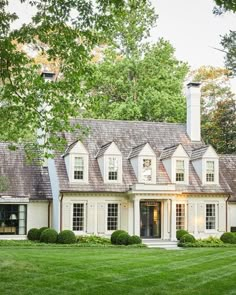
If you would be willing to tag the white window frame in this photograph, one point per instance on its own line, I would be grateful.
(213, 230)
(142, 170)
(85, 217)
(118, 216)
(119, 169)
(85, 174)
(185, 215)
(115, 159)
(184, 171)
(214, 171)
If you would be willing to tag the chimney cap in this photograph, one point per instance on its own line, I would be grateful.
(193, 84)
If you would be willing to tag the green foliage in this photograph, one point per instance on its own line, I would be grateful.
(41, 230)
(96, 240)
(134, 240)
(228, 238)
(229, 44)
(33, 234)
(115, 235)
(180, 233)
(49, 236)
(187, 238)
(66, 237)
(123, 239)
(226, 5)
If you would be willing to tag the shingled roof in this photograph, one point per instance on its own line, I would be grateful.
(131, 136)
(103, 149)
(136, 150)
(23, 179)
(228, 169)
(199, 152)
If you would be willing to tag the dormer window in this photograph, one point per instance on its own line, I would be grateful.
(79, 168)
(112, 168)
(147, 170)
(179, 170)
(210, 171)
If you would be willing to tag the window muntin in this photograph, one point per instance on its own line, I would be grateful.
(112, 168)
(12, 219)
(79, 168)
(210, 171)
(180, 216)
(210, 216)
(147, 170)
(78, 217)
(112, 216)
(179, 170)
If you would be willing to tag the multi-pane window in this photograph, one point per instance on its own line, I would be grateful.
(112, 168)
(179, 170)
(78, 217)
(180, 216)
(147, 170)
(112, 217)
(210, 171)
(13, 219)
(210, 216)
(79, 168)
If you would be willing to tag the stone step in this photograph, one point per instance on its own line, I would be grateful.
(156, 243)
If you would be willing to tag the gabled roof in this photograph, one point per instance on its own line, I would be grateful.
(103, 149)
(136, 150)
(23, 179)
(199, 152)
(128, 134)
(70, 147)
(228, 171)
(169, 151)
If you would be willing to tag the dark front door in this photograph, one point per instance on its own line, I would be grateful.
(150, 219)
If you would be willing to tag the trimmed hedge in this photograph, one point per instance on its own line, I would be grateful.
(115, 235)
(66, 237)
(122, 239)
(134, 240)
(228, 238)
(49, 236)
(95, 240)
(33, 234)
(41, 230)
(187, 238)
(180, 233)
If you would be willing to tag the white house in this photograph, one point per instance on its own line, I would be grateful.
(144, 177)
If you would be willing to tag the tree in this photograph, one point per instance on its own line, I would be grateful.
(28, 103)
(136, 80)
(226, 5)
(218, 108)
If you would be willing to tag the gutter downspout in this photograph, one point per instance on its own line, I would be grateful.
(227, 201)
(61, 211)
(49, 214)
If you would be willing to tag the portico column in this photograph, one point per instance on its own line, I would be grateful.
(137, 217)
(173, 221)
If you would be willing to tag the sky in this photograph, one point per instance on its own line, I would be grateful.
(189, 25)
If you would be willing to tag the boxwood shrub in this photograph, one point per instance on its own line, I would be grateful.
(134, 240)
(187, 238)
(123, 238)
(41, 230)
(228, 238)
(66, 237)
(180, 233)
(33, 234)
(115, 235)
(49, 236)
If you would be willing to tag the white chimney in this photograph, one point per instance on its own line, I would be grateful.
(194, 111)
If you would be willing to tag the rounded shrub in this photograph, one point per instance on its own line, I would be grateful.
(41, 230)
(123, 239)
(115, 234)
(66, 237)
(49, 236)
(180, 233)
(228, 238)
(33, 234)
(187, 238)
(132, 240)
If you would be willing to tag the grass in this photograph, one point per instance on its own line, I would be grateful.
(74, 270)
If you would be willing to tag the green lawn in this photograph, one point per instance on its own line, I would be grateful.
(49, 270)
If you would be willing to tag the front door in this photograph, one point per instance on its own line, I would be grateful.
(150, 219)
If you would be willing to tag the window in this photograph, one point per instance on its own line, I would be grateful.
(112, 217)
(147, 170)
(112, 168)
(210, 171)
(78, 217)
(79, 168)
(12, 219)
(180, 216)
(210, 216)
(179, 170)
